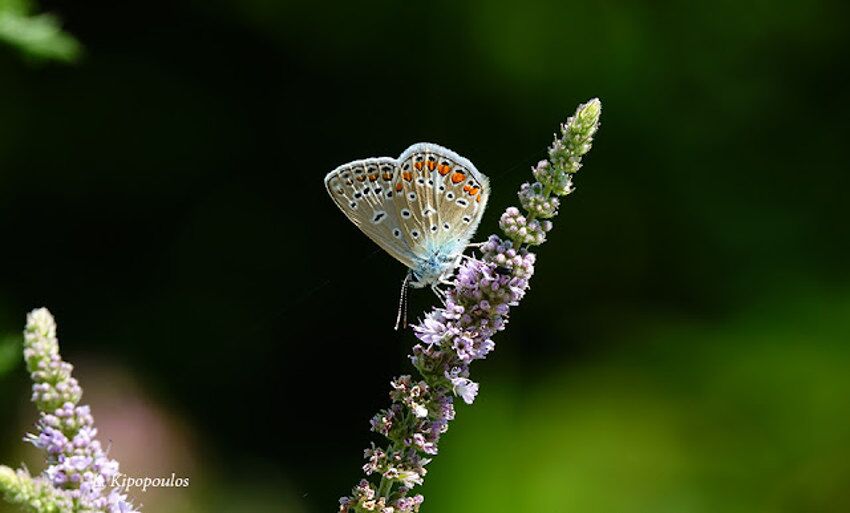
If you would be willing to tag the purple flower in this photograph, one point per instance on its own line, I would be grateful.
(465, 388)
(459, 332)
(432, 329)
(78, 469)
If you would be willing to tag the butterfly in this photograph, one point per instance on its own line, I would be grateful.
(422, 208)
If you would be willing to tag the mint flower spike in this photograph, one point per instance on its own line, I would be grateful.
(459, 332)
(79, 472)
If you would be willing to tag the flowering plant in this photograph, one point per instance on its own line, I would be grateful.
(79, 472)
(459, 332)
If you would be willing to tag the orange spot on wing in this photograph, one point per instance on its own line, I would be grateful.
(418, 165)
(444, 169)
(361, 178)
(407, 175)
(466, 188)
(399, 186)
(432, 165)
(458, 177)
(374, 177)
(478, 198)
(388, 176)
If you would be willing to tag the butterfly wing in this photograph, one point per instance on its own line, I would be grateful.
(446, 197)
(430, 200)
(365, 192)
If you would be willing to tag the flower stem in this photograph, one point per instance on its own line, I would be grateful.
(459, 331)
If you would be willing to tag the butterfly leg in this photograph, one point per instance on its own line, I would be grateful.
(469, 258)
(438, 291)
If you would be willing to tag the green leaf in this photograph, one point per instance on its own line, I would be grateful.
(37, 36)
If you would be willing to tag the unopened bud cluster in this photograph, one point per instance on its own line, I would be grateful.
(554, 178)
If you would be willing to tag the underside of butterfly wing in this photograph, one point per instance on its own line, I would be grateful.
(364, 191)
(422, 208)
(446, 195)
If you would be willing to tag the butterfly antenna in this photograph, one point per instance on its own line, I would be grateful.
(401, 317)
(406, 308)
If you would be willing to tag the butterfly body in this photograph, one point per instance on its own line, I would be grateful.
(422, 208)
(437, 268)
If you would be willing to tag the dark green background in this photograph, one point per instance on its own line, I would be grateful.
(684, 347)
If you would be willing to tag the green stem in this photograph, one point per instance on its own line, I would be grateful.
(386, 485)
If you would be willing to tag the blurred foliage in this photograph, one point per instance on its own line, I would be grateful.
(10, 353)
(38, 36)
(745, 416)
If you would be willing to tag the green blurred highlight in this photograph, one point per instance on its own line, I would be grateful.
(37, 36)
(10, 353)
